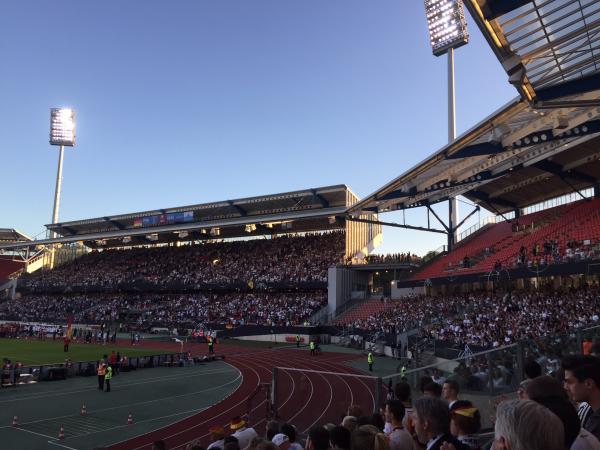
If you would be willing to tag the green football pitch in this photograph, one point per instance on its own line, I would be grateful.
(34, 352)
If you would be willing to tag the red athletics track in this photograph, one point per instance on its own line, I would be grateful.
(304, 398)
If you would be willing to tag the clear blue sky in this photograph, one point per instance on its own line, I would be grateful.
(193, 101)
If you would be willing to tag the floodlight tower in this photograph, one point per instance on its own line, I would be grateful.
(447, 31)
(62, 132)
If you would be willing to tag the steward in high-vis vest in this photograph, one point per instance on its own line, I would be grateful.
(298, 341)
(370, 361)
(107, 378)
(210, 344)
(403, 372)
(101, 374)
(312, 348)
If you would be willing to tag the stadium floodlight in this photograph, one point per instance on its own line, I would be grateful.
(447, 25)
(62, 126)
(62, 132)
(250, 228)
(447, 31)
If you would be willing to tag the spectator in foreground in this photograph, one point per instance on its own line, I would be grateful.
(465, 423)
(367, 437)
(318, 439)
(399, 438)
(242, 432)
(432, 389)
(526, 425)
(450, 391)
(339, 437)
(290, 432)
(216, 436)
(532, 369)
(582, 382)
(431, 417)
(282, 441)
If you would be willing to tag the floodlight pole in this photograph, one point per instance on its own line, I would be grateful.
(61, 154)
(453, 201)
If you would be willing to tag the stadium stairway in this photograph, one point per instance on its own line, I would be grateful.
(362, 311)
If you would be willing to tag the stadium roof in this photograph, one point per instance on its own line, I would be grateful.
(539, 146)
(516, 157)
(12, 235)
(298, 211)
(548, 48)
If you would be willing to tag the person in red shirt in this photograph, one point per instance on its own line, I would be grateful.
(66, 341)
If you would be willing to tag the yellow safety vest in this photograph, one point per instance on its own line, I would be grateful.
(370, 358)
(312, 345)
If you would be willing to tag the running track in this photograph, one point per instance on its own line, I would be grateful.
(305, 398)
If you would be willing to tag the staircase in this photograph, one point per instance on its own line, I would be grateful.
(362, 311)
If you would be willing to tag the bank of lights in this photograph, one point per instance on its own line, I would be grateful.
(62, 126)
(447, 25)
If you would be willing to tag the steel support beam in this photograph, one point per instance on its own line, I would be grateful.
(477, 208)
(393, 224)
(438, 218)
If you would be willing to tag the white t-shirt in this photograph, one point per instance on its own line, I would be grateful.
(220, 444)
(244, 436)
(585, 441)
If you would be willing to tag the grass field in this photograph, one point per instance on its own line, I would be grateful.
(33, 352)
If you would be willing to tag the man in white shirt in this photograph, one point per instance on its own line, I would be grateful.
(216, 436)
(242, 432)
(399, 437)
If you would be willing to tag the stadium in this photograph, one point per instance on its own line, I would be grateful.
(271, 322)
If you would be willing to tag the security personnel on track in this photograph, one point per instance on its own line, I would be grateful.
(298, 341)
(101, 375)
(210, 344)
(370, 361)
(403, 372)
(107, 378)
(312, 348)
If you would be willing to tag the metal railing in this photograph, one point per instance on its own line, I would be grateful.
(491, 220)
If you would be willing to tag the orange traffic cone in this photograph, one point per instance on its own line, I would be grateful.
(15, 421)
(61, 432)
(130, 419)
(83, 410)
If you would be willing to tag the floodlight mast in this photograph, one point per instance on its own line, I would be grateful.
(447, 31)
(62, 132)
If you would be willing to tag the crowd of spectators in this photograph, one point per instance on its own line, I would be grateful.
(411, 312)
(486, 319)
(143, 311)
(296, 259)
(549, 252)
(503, 319)
(560, 411)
